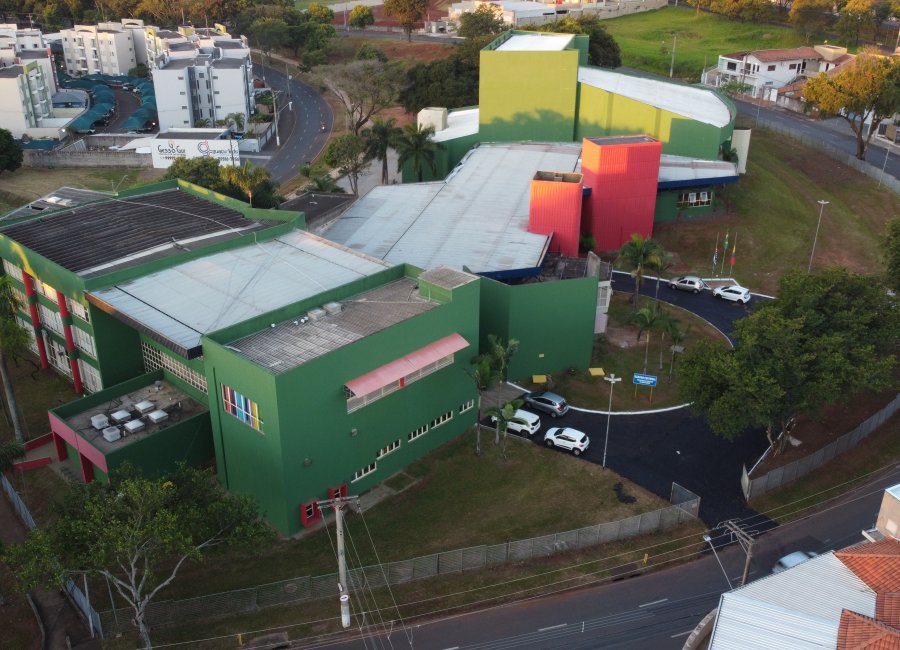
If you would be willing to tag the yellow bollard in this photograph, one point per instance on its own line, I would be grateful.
(240, 640)
(646, 557)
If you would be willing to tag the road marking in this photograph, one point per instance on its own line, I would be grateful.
(456, 647)
(675, 636)
(655, 602)
(552, 627)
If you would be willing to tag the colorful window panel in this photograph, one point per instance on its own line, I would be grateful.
(244, 409)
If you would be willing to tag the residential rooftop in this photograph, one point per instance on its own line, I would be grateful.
(230, 287)
(11, 72)
(97, 237)
(191, 134)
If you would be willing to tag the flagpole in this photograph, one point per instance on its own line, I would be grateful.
(724, 255)
(715, 255)
(733, 251)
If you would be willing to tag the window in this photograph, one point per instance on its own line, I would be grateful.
(79, 310)
(32, 341)
(12, 270)
(56, 354)
(771, 68)
(51, 320)
(384, 451)
(731, 65)
(84, 341)
(421, 431)
(245, 410)
(694, 200)
(365, 471)
(792, 66)
(21, 298)
(90, 377)
(466, 406)
(355, 402)
(438, 421)
(154, 359)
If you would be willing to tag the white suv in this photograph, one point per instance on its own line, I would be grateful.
(566, 438)
(522, 422)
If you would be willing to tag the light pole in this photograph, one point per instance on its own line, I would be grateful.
(674, 43)
(612, 379)
(822, 204)
(886, 156)
(708, 540)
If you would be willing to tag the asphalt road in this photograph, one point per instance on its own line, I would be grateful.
(302, 112)
(653, 611)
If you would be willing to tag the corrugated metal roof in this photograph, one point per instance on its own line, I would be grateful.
(183, 302)
(799, 608)
(695, 103)
(681, 168)
(477, 218)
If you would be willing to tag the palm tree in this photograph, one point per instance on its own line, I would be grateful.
(10, 452)
(237, 119)
(381, 136)
(665, 323)
(415, 145)
(646, 319)
(484, 377)
(201, 123)
(13, 340)
(502, 416)
(666, 262)
(640, 254)
(677, 335)
(246, 178)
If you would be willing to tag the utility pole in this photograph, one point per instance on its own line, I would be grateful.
(674, 43)
(746, 541)
(337, 504)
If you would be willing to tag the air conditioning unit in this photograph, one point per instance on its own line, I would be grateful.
(316, 314)
(120, 416)
(158, 416)
(99, 421)
(332, 308)
(145, 407)
(134, 426)
(111, 434)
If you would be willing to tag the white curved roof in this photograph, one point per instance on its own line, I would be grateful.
(695, 103)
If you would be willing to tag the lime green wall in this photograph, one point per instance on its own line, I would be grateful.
(602, 113)
(527, 95)
(118, 348)
(553, 322)
(304, 412)
(188, 441)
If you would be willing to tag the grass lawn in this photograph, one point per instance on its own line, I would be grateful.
(646, 39)
(773, 210)
(29, 183)
(835, 478)
(619, 353)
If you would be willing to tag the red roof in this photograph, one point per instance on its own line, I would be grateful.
(396, 370)
(787, 54)
(877, 564)
(887, 609)
(858, 632)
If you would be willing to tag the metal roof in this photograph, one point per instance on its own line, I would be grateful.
(460, 122)
(536, 42)
(293, 342)
(97, 236)
(695, 103)
(798, 608)
(61, 198)
(477, 217)
(176, 306)
(682, 171)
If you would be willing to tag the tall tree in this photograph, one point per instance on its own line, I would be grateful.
(603, 50)
(485, 20)
(13, 341)
(864, 92)
(638, 255)
(319, 13)
(269, 34)
(364, 88)
(137, 533)
(891, 249)
(379, 139)
(414, 145)
(204, 172)
(247, 178)
(407, 13)
(484, 377)
(10, 152)
(646, 319)
(361, 17)
(502, 416)
(347, 154)
(810, 16)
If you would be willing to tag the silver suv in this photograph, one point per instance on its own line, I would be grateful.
(547, 402)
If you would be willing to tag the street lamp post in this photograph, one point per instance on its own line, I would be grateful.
(612, 379)
(708, 540)
(672, 65)
(887, 154)
(822, 204)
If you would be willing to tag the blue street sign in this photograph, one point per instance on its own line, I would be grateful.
(644, 380)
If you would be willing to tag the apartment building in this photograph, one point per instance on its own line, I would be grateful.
(107, 48)
(14, 40)
(26, 91)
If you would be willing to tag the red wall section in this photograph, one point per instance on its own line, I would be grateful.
(555, 207)
(622, 173)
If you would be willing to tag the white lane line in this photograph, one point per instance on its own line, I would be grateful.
(456, 647)
(655, 602)
(552, 627)
(675, 636)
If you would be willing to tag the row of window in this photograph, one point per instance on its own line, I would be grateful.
(243, 408)
(694, 199)
(356, 402)
(44, 289)
(154, 359)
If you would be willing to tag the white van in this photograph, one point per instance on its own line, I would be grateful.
(523, 422)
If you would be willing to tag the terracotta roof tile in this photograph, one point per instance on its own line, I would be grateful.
(876, 564)
(805, 52)
(858, 632)
(887, 609)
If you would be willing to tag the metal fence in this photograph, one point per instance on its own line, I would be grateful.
(754, 487)
(75, 594)
(872, 171)
(477, 557)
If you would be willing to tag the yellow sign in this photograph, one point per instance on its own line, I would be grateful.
(538, 379)
(596, 372)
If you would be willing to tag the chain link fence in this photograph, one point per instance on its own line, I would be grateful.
(294, 590)
(754, 487)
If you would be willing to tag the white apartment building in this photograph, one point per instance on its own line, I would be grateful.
(107, 48)
(26, 91)
(208, 86)
(14, 40)
(765, 71)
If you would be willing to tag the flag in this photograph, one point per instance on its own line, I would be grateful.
(734, 249)
(716, 252)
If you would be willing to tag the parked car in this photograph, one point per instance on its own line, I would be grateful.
(791, 560)
(733, 292)
(547, 402)
(522, 422)
(688, 283)
(565, 438)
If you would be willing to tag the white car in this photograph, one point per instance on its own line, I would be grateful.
(688, 283)
(733, 292)
(522, 422)
(792, 559)
(565, 438)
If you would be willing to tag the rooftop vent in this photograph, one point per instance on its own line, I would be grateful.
(134, 426)
(145, 407)
(99, 421)
(316, 314)
(333, 308)
(111, 434)
(158, 416)
(120, 416)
